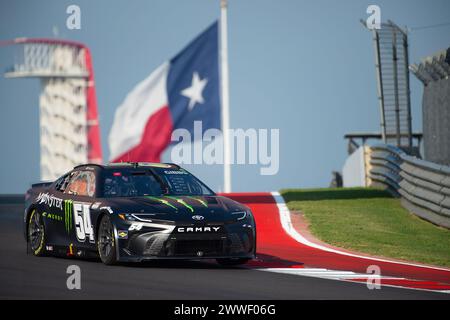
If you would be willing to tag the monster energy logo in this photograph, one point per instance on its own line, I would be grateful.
(181, 201)
(163, 201)
(68, 212)
(203, 202)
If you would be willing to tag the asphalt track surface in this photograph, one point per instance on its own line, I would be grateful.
(23, 276)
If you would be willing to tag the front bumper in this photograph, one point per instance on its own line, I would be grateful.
(231, 241)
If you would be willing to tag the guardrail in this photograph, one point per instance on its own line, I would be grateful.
(424, 187)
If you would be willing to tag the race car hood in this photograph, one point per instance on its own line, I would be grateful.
(179, 208)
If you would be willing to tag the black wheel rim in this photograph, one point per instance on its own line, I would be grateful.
(105, 238)
(35, 231)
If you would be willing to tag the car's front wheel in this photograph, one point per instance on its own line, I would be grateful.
(106, 245)
(232, 262)
(36, 233)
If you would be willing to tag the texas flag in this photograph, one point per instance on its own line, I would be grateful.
(179, 92)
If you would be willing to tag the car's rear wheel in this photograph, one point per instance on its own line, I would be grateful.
(36, 233)
(232, 262)
(106, 245)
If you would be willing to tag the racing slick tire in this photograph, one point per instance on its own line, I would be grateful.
(106, 245)
(36, 234)
(232, 262)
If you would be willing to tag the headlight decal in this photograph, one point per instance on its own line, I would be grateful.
(240, 215)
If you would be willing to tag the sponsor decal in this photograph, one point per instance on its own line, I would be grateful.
(123, 234)
(52, 216)
(49, 248)
(163, 201)
(136, 226)
(174, 172)
(49, 200)
(68, 213)
(197, 229)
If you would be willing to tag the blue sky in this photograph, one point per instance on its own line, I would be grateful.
(305, 67)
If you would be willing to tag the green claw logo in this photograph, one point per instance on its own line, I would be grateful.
(68, 212)
(167, 203)
(203, 202)
(181, 201)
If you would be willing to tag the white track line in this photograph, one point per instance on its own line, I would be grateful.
(327, 274)
(345, 276)
(285, 218)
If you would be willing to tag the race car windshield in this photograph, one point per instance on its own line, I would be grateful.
(180, 182)
(152, 182)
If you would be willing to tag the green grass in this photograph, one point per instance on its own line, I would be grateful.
(370, 221)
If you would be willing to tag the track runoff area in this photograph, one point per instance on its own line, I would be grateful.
(282, 249)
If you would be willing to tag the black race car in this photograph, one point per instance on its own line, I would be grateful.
(134, 212)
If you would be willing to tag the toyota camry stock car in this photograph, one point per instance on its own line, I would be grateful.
(131, 212)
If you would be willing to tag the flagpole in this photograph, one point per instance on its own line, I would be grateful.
(225, 110)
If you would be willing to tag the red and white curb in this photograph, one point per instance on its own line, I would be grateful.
(398, 282)
(285, 218)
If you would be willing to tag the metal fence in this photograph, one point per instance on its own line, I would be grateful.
(391, 63)
(424, 187)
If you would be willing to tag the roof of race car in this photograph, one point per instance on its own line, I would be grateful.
(129, 164)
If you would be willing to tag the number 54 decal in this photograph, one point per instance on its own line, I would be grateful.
(83, 225)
